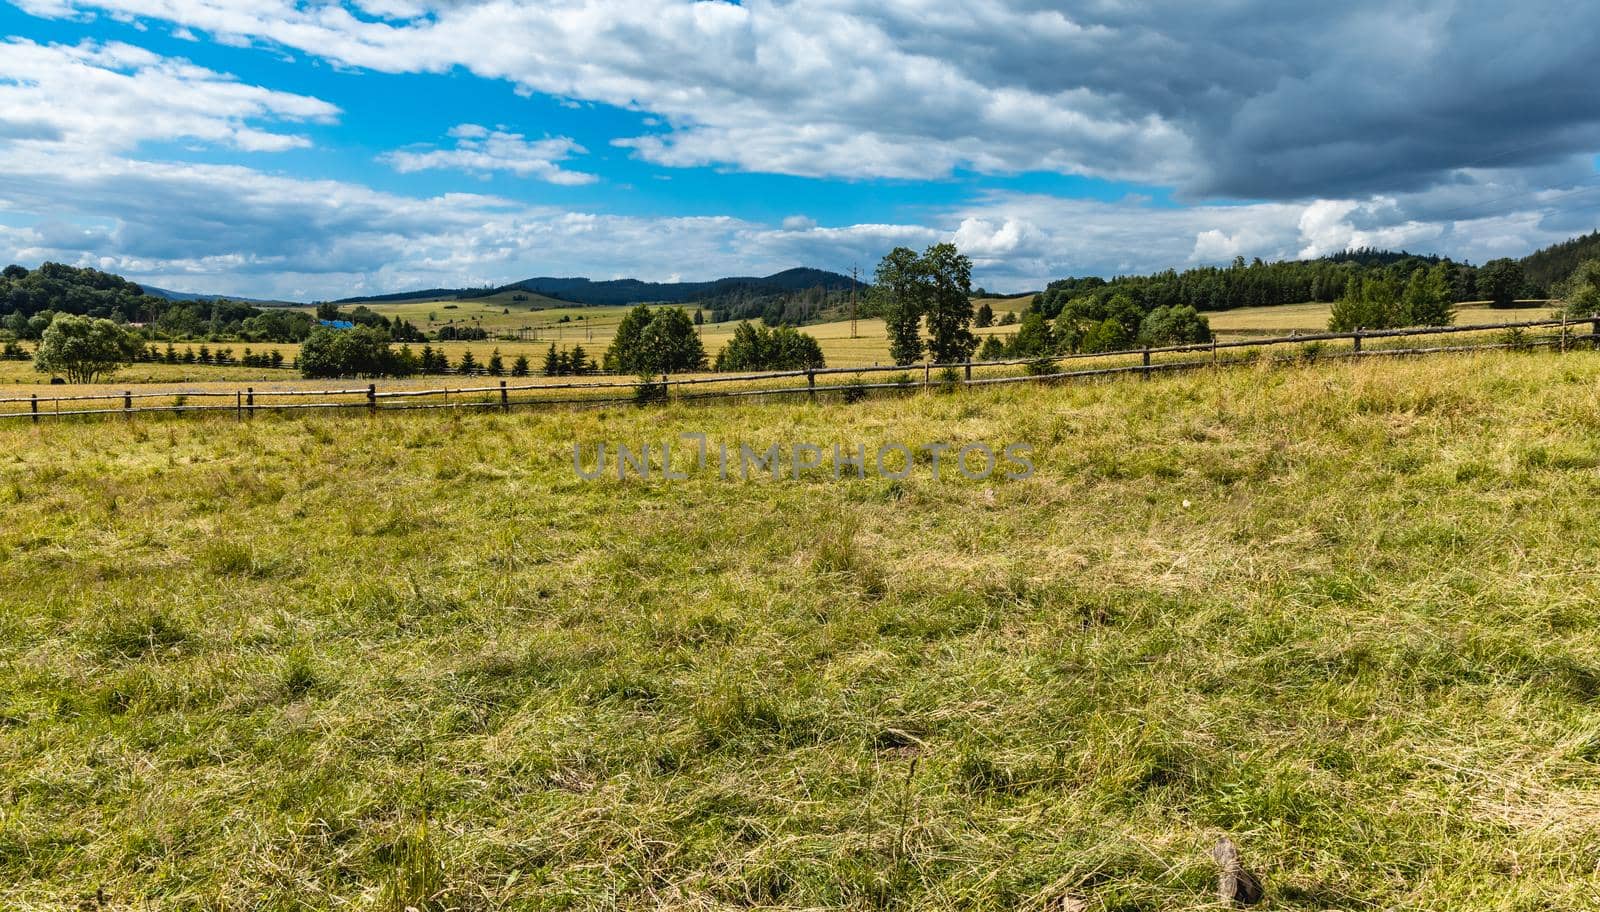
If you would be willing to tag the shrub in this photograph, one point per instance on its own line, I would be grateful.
(360, 352)
(755, 347)
(83, 348)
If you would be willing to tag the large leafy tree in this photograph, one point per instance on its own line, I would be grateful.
(1500, 281)
(624, 355)
(901, 296)
(949, 309)
(83, 348)
(669, 344)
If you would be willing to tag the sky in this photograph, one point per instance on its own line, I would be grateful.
(302, 150)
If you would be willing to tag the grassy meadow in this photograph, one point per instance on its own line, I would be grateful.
(1343, 613)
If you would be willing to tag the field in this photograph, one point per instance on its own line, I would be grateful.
(1313, 317)
(1343, 613)
(867, 346)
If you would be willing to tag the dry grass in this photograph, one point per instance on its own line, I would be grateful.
(1344, 613)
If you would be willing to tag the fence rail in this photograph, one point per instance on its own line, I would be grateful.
(248, 401)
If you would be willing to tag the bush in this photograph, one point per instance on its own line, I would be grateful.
(83, 348)
(649, 390)
(757, 348)
(360, 352)
(659, 342)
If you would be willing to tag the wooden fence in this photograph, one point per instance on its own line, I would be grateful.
(1560, 334)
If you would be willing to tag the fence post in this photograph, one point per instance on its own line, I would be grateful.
(969, 370)
(811, 383)
(1356, 337)
(505, 401)
(250, 401)
(35, 408)
(1213, 351)
(927, 374)
(238, 406)
(1594, 327)
(127, 403)
(1145, 374)
(372, 398)
(1563, 332)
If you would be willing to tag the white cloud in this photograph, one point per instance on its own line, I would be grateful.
(1239, 100)
(103, 97)
(479, 150)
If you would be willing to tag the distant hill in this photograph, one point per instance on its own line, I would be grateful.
(191, 296)
(631, 291)
(1545, 269)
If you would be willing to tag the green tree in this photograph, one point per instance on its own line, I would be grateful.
(1580, 293)
(83, 348)
(1033, 337)
(579, 362)
(949, 307)
(497, 365)
(984, 318)
(360, 352)
(1371, 302)
(1176, 325)
(624, 354)
(521, 367)
(1428, 298)
(1500, 281)
(900, 295)
(669, 344)
(755, 347)
(552, 362)
(468, 364)
(992, 349)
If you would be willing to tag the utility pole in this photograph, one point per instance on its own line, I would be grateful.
(853, 273)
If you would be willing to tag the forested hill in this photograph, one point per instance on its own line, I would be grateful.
(1548, 268)
(1259, 284)
(68, 289)
(633, 291)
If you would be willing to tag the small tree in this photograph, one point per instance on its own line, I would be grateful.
(1427, 299)
(1174, 325)
(552, 362)
(669, 344)
(1580, 293)
(579, 362)
(497, 365)
(623, 355)
(468, 364)
(755, 347)
(83, 348)
(521, 367)
(1033, 337)
(984, 317)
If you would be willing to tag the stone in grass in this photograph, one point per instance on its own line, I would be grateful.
(1235, 885)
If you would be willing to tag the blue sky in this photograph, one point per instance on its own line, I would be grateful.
(316, 150)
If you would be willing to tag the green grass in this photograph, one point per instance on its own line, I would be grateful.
(1344, 613)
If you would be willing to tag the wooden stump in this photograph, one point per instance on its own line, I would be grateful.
(1235, 885)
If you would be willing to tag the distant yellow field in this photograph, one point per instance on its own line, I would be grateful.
(1313, 317)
